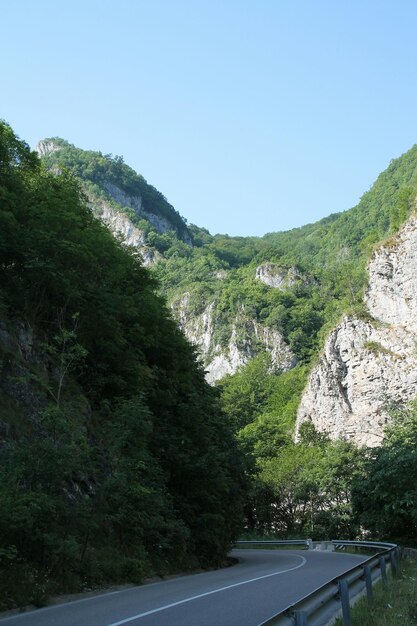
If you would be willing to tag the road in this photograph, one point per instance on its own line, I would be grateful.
(260, 585)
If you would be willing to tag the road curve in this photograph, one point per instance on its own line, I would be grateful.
(261, 584)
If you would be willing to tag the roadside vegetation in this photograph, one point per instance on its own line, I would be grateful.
(116, 460)
(394, 605)
(312, 488)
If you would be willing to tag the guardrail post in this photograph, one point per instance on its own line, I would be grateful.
(300, 618)
(368, 582)
(383, 568)
(344, 599)
(322, 599)
(394, 564)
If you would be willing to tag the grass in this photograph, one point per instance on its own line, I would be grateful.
(394, 606)
(377, 348)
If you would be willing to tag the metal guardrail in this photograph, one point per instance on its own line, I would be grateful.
(277, 542)
(333, 598)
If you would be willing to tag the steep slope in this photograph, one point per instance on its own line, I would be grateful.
(238, 298)
(141, 216)
(370, 365)
(115, 457)
(245, 339)
(116, 193)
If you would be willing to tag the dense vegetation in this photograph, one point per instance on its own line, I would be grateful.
(385, 496)
(316, 487)
(116, 459)
(330, 256)
(94, 170)
(312, 487)
(296, 489)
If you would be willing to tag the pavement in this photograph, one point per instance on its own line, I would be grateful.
(262, 583)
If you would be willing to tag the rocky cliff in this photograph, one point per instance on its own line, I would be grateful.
(369, 366)
(277, 277)
(237, 297)
(135, 202)
(122, 226)
(132, 209)
(120, 209)
(242, 339)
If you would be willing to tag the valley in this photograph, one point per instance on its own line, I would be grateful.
(164, 390)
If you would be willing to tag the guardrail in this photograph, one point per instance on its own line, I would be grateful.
(333, 598)
(277, 542)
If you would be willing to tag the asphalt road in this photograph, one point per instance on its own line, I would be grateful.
(260, 585)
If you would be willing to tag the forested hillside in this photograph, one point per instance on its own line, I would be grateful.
(116, 460)
(251, 295)
(259, 310)
(273, 298)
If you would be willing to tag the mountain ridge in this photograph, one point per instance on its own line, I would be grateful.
(132, 192)
(280, 295)
(113, 443)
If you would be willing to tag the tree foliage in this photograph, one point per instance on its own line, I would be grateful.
(304, 487)
(127, 465)
(385, 496)
(96, 170)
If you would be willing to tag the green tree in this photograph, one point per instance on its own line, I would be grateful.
(385, 494)
(133, 467)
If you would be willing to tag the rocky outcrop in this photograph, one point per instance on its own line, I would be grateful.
(46, 146)
(119, 224)
(243, 339)
(161, 223)
(279, 277)
(369, 366)
(123, 228)
(392, 293)
(115, 209)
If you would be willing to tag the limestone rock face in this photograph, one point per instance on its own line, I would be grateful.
(392, 292)
(120, 224)
(46, 146)
(278, 277)
(369, 366)
(161, 224)
(245, 339)
(122, 227)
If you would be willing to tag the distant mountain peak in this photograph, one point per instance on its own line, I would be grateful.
(47, 146)
(107, 179)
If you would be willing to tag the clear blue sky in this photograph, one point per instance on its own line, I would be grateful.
(249, 116)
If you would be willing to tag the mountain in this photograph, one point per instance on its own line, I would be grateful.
(237, 298)
(144, 219)
(369, 363)
(118, 195)
(308, 336)
(116, 460)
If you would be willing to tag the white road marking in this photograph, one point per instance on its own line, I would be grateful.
(209, 593)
